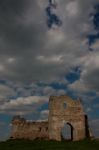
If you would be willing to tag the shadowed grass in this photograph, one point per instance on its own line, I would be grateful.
(48, 145)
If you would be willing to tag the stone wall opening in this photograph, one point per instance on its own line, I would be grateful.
(67, 132)
(64, 105)
(40, 129)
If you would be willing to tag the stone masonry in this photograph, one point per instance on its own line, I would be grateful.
(62, 110)
(65, 110)
(22, 129)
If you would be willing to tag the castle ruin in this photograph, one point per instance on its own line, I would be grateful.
(62, 110)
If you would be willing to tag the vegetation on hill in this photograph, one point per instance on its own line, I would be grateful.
(49, 145)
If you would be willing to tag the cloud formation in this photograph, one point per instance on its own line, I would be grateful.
(31, 52)
(33, 57)
(90, 73)
(22, 106)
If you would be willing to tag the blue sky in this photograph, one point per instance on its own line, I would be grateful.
(37, 61)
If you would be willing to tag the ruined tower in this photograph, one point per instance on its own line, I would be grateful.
(64, 110)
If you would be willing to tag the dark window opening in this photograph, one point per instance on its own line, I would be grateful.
(46, 128)
(64, 105)
(40, 129)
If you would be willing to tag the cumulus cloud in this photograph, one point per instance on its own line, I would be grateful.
(31, 52)
(72, 8)
(78, 86)
(89, 75)
(25, 99)
(5, 92)
(44, 114)
(23, 105)
(49, 91)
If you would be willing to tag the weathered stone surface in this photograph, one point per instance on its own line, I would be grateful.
(22, 129)
(62, 110)
(65, 110)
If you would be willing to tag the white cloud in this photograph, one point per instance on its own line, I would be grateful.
(90, 72)
(44, 114)
(72, 8)
(95, 45)
(48, 54)
(24, 105)
(49, 91)
(78, 86)
(1, 67)
(11, 60)
(5, 92)
(52, 59)
(24, 101)
(55, 37)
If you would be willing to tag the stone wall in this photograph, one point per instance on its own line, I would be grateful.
(65, 110)
(62, 110)
(22, 129)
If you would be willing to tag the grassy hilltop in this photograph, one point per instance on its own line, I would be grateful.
(48, 145)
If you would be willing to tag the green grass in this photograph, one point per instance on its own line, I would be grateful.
(49, 145)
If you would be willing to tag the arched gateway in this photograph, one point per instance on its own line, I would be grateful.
(65, 110)
(67, 132)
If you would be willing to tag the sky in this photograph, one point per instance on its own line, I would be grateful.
(37, 60)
